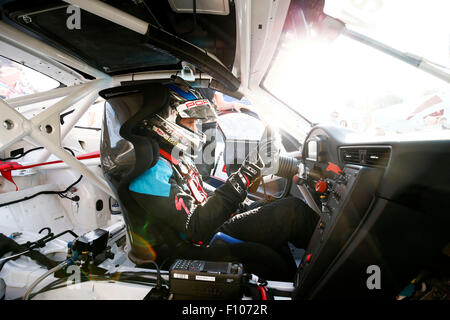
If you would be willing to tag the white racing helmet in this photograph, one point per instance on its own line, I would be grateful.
(184, 103)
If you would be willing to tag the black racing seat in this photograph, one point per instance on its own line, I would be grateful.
(127, 150)
(122, 142)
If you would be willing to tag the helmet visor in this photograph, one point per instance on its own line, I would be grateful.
(197, 109)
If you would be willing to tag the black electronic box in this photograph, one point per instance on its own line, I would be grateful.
(196, 280)
(94, 244)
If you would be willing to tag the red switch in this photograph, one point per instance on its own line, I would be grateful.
(308, 258)
(321, 186)
(334, 168)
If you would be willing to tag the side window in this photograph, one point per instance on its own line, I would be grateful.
(239, 128)
(237, 118)
(17, 80)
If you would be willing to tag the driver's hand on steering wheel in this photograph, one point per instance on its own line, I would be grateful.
(245, 176)
(267, 153)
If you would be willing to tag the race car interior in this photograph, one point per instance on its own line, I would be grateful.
(382, 204)
(374, 202)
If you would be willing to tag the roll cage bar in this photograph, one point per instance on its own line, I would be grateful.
(44, 129)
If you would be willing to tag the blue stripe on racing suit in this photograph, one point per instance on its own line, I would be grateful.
(154, 181)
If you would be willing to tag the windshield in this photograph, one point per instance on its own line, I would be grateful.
(352, 85)
(421, 27)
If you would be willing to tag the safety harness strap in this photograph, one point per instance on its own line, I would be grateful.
(190, 173)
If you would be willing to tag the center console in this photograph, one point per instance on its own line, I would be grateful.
(343, 202)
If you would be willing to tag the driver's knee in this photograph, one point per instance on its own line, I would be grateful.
(297, 218)
(290, 209)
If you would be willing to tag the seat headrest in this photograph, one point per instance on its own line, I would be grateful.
(145, 99)
(126, 107)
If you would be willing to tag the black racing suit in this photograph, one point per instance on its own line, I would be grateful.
(171, 192)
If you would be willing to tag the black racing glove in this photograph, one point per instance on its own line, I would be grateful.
(244, 177)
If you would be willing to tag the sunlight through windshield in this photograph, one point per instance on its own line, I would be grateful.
(352, 85)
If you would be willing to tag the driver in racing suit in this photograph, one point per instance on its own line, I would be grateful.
(172, 192)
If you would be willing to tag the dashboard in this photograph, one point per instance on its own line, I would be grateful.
(380, 203)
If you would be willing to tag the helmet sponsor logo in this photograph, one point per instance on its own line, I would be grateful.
(196, 103)
(190, 104)
(165, 135)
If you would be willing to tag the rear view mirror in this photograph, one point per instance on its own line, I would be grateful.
(330, 28)
(306, 20)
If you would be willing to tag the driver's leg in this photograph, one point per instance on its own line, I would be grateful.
(274, 224)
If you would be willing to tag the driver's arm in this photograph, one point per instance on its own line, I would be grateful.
(167, 201)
